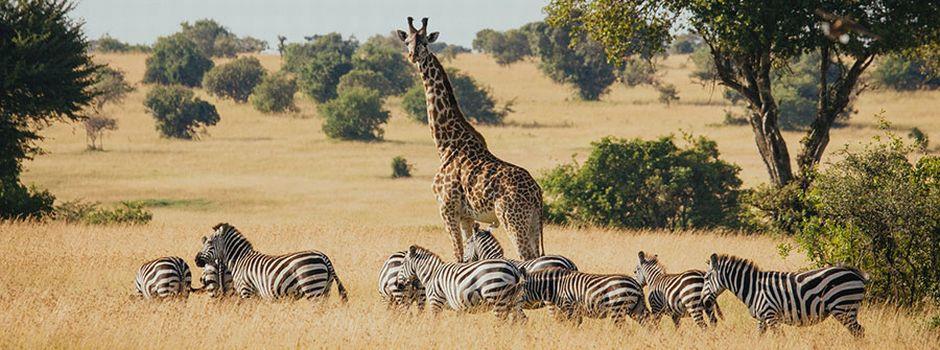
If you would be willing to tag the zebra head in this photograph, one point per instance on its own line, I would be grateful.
(714, 281)
(417, 265)
(646, 268)
(224, 244)
(481, 245)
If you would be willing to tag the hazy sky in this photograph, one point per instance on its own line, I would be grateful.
(142, 21)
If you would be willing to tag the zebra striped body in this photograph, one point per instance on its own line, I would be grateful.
(572, 295)
(307, 274)
(389, 288)
(217, 279)
(482, 245)
(794, 298)
(164, 277)
(678, 295)
(469, 287)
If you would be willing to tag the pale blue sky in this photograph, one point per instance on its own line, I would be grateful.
(142, 21)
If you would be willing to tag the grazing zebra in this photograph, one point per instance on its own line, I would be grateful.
(389, 288)
(572, 295)
(482, 245)
(471, 287)
(164, 277)
(678, 295)
(307, 274)
(794, 298)
(217, 279)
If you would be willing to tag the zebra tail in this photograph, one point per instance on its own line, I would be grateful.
(339, 285)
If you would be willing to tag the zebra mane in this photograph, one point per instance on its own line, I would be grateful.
(422, 252)
(482, 235)
(727, 259)
(228, 232)
(653, 260)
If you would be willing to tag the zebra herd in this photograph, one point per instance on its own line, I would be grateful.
(488, 281)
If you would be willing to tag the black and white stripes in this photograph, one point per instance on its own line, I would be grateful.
(794, 298)
(678, 295)
(571, 295)
(164, 277)
(482, 245)
(396, 295)
(307, 274)
(469, 287)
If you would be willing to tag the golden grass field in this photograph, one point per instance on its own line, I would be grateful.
(289, 188)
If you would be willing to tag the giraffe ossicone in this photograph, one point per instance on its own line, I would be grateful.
(472, 184)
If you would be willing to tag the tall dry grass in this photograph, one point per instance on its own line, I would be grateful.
(288, 187)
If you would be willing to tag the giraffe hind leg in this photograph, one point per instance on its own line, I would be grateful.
(524, 228)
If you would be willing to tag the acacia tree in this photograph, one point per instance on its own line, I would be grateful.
(110, 87)
(45, 76)
(748, 38)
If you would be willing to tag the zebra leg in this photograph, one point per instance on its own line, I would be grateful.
(676, 319)
(849, 319)
(697, 310)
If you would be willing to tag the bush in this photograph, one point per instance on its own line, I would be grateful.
(637, 72)
(214, 40)
(900, 73)
(474, 100)
(297, 56)
(667, 93)
(107, 44)
(110, 87)
(445, 51)
(400, 167)
(275, 94)
(686, 44)
(920, 139)
(583, 64)
(234, 80)
(127, 213)
(646, 184)
(356, 114)
(507, 48)
(880, 212)
(176, 60)
(179, 114)
(376, 56)
(17, 202)
(365, 79)
(320, 77)
(95, 127)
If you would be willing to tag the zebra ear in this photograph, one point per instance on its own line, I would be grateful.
(714, 259)
(412, 250)
(204, 239)
(641, 255)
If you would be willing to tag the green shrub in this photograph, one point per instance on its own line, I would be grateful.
(176, 60)
(320, 76)
(901, 73)
(297, 56)
(107, 44)
(234, 80)
(506, 48)
(18, 202)
(214, 40)
(179, 114)
(667, 93)
(126, 213)
(365, 79)
(920, 139)
(646, 184)
(878, 211)
(581, 62)
(400, 167)
(275, 94)
(356, 114)
(475, 100)
(637, 72)
(389, 62)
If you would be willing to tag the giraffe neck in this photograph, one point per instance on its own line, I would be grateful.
(452, 133)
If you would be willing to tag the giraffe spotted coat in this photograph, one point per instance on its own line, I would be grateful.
(472, 184)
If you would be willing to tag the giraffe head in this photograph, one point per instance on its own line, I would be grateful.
(417, 40)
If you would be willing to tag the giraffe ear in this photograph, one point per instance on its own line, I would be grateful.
(402, 35)
(432, 37)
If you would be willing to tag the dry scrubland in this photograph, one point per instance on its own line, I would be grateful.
(287, 187)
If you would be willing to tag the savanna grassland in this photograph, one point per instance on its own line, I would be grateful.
(288, 187)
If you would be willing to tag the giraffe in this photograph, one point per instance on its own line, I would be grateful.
(472, 184)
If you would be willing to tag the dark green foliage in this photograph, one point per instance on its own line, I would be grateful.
(684, 44)
(581, 64)
(297, 56)
(646, 184)
(234, 80)
(214, 40)
(176, 60)
(400, 167)
(475, 100)
(879, 212)
(275, 94)
(320, 76)
(375, 55)
(17, 202)
(126, 213)
(507, 48)
(178, 113)
(46, 75)
(445, 51)
(637, 72)
(898, 72)
(365, 79)
(107, 44)
(356, 114)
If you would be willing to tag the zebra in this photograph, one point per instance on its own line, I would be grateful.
(679, 295)
(482, 245)
(794, 298)
(164, 277)
(307, 274)
(388, 285)
(572, 295)
(217, 279)
(469, 287)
